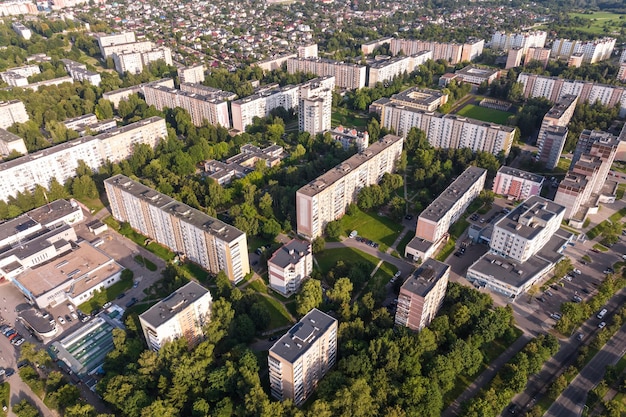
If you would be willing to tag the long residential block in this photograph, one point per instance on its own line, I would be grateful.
(348, 76)
(207, 241)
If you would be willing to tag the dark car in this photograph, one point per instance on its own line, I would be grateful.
(132, 302)
(121, 296)
(8, 372)
(408, 216)
(272, 338)
(585, 290)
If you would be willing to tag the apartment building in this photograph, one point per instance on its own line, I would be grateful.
(414, 98)
(315, 105)
(307, 51)
(326, 198)
(274, 63)
(592, 51)
(209, 92)
(351, 137)
(120, 94)
(10, 142)
(385, 70)
(242, 164)
(182, 314)
(134, 60)
(79, 72)
(201, 108)
(22, 30)
(207, 241)
(422, 294)
(191, 75)
(289, 266)
(11, 112)
(17, 7)
(18, 77)
(553, 89)
(60, 161)
(621, 73)
(515, 184)
(348, 76)
(475, 75)
(537, 54)
(435, 220)
(451, 52)
(46, 83)
(550, 142)
(301, 358)
(586, 140)
(503, 41)
(262, 103)
(369, 47)
(449, 130)
(114, 39)
(514, 58)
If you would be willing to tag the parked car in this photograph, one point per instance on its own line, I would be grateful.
(14, 336)
(74, 316)
(18, 342)
(397, 274)
(121, 295)
(577, 271)
(580, 336)
(576, 299)
(408, 216)
(602, 325)
(132, 302)
(549, 293)
(61, 320)
(8, 372)
(68, 318)
(555, 316)
(10, 332)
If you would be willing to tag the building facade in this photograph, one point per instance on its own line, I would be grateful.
(351, 137)
(503, 41)
(191, 75)
(451, 52)
(550, 142)
(315, 105)
(516, 184)
(10, 142)
(592, 51)
(301, 358)
(182, 314)
(209, 242)
(289, 266)
(422, 294)
(262, 103)
(11, 112)
(326, 198)
(348, 76)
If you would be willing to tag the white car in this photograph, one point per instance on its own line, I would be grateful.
(602, 325)
(74, 316)
(61, 320)
(397, 274)
(577, 271)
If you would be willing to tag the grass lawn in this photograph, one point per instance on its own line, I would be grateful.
(126, 231)
(372, 226)
(278, 313)
(405, 241)
(381, 278)
(292, 306)
(108, 294)
(447, 250)
(146, 262)
(600, 247)
(255, 242)
(457, 229)
(620, 191)
(195, 271)
(258, 286)
(5, 392)
(94, 204)
(328, 259)
(485, 114)
(597, 20)
(347, 118)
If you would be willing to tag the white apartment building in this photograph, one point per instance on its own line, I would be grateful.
(79, 72)
(61, 161)
(18, 77)
(191, 75)
(451, 52)
(301, 358)
(307, 51)
(348, 76)
(516, 184)
(422, 294)
(213, 109)
(11, 112)
(388, 69)
(207, 241)
(502, 41)
(449, 130)
(593, 51)
(289, 266)
(261, 104)
(326, 198)
(351, 137)
(621, 73)
(114, 39)
(274, 63)
(315, 105)
(550, 140)
(10, 142)
(120, 94)
(134, 61)
(181, 314)
(17, 7)
(22, 30)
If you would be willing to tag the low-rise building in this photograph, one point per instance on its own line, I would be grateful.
(10, 142)
(351, 137)
(516, 184)
(182, 314)
(477, 75)
(289, 266)
(243, 163)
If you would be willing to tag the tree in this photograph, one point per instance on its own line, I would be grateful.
(271, 229)
(260, 315)
(334, 229)
(318, 245)
(25, 409)
(104, 109)
(309, 297)
(341, 291)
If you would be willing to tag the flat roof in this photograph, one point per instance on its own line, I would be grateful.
(302, 335)
(170, 306)
(8, 137)
(265, 93)
(507, 270)
(477, 72)
(573, 181)
(525, 220)
(330, 61)
(350, 164)
(419, 96)
(521, 174)
(37, 243)
(442, 204)
(36, 320)
(53, 212)
(424, 279)
(559, 108)
(419, 244)
(291, 253)
(17, 225)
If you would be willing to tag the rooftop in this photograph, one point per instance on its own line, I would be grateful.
(442, 204)
(167, 308)
(521, 174)
(425, 278)
(290, 253)
(6, 136)
(348, 165)
(477, 72)
(561, 106)
(418, 96)
(508, 271)
(529, 218)
(302, 335)
(52, 213)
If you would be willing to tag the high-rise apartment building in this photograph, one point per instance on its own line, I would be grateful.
(307, 51)
(516, 184)
(60, 161)
(348, 76)
(592, 51)
(301, 358)
(211, 108)
(315, 105)
(550, 142)
(182, 314)
(289, 266)
(621, 73)
(191, 75)
(207, 241)
(262, 103)
(502, 41)
(79, 72)
(449, 130)
(386, 70)
(514, 58)
(422, 294)
(12, 111)
(451, 52)
(537, 54)
(136, 58)
(326, 198)
(114, 39)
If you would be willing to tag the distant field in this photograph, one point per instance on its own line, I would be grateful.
(598, 20)
(485, 114)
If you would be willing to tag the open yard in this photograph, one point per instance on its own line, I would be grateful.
(328, 259)
(485, 114)
(372, 226)
(600, 23)
(278, 313)
(347, 118)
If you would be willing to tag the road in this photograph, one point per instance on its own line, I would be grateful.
(571, 401)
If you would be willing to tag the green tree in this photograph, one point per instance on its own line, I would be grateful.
(271, 229)
(309, 297)
(318, 245)
(104, 109)
(334, 229)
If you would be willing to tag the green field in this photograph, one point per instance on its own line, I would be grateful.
(598, 21)
(347, 118)
(372, 226)
(485, 114)
(328, 259)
